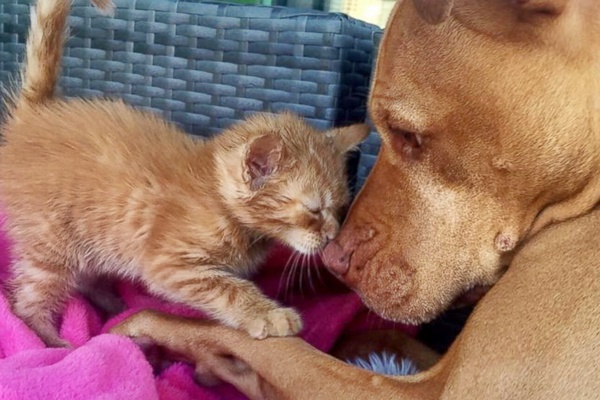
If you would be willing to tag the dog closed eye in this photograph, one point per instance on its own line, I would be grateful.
(411, 139)
(406, 142)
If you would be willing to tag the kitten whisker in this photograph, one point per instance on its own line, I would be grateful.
(319, 275)
(300, 286)
(302, 270)
(318, 268)
(306, 266)
(283, 277)
(292, 275)
(298, 273)
(256, 240)
(301, 273)
(310, 260)
(292, 272)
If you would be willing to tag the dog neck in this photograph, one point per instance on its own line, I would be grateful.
(588, 198)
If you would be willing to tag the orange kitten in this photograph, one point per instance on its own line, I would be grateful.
(95, 187)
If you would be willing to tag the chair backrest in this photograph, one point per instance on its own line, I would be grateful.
(204, 65)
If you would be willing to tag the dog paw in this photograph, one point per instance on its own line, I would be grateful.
(275, 322)
(133, 325)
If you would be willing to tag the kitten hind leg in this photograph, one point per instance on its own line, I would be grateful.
(232, 300)
(38, 294)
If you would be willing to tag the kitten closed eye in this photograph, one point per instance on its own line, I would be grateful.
(316, 211)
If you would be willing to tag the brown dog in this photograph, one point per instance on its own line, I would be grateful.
(489, 116)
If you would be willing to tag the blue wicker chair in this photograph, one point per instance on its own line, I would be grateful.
(204, 65)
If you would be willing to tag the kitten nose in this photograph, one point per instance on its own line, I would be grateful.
(329, 235)
(336, 258)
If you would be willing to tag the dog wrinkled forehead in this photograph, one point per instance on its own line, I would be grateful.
(437, 11)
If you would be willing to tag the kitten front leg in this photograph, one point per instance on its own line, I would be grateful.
(232, 300)
(38, 293)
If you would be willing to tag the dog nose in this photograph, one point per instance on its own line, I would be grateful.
(338, 252)
(336, 258)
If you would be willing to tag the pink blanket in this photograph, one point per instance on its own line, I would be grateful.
(104, 366)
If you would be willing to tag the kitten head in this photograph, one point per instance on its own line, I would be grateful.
(285, 179)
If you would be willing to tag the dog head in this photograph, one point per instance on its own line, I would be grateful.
(488, 115)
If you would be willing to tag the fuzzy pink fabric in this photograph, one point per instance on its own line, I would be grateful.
(104, 366)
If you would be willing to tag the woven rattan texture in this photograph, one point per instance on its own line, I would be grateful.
(369, 149)
(205, 65)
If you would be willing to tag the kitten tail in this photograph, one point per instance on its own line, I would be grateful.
(106, 7)
(47, 35)
(44, 48)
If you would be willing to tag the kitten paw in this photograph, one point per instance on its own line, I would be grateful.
(275, 322)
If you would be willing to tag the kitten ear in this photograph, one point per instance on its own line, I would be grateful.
(348, 137)
(262, 159)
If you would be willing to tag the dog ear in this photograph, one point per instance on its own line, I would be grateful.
(106, 7)
(349, 137)
(262, 160)
(434, 11)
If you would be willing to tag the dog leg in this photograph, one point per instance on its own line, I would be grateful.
(234, 357)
